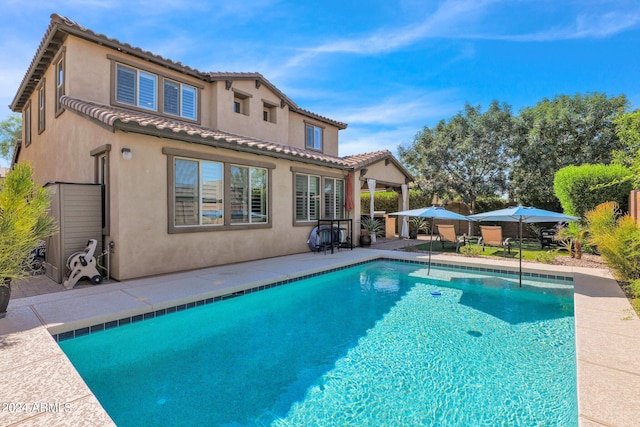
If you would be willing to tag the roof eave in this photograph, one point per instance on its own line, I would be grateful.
(220, 143)
(40, 62)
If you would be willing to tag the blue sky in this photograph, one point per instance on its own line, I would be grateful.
(387, 68)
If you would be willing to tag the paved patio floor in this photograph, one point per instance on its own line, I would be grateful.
(39, 386)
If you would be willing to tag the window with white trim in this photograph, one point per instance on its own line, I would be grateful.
(180, 99)
(307, 202)
(333, 198)
(248, 195)
(198, 192)
(136, 87)
(313, 137)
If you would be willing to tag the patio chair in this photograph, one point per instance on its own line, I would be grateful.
(492, 236)
(447, 233)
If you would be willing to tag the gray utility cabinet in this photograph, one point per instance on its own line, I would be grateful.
(77, 210)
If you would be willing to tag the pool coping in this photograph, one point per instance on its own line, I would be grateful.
(52, 392)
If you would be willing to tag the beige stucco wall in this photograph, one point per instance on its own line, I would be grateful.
(62, 151)
(252, 124)
(387, 174)
(138, 187)
(297, 133)
(139, 215)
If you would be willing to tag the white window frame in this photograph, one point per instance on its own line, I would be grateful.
(313, 141)
(249, 191)
(308, 198)
(139, 76)
(200, 185)
(338, 198)
(181, 105)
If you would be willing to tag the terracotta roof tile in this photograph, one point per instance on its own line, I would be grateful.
(115, 117)
(146, 123)
(61, 26)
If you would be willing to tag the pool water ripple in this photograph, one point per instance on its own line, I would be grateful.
(368, 345)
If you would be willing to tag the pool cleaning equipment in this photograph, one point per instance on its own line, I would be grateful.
(83, 264)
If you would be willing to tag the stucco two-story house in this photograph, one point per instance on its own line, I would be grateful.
(194, 169)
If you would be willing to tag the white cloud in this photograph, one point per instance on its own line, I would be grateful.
(584, 27)
(456, 19)
(364, 140)
(411, 105)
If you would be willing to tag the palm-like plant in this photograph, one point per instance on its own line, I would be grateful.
(574, 235)
(371, 226)
(419, 224)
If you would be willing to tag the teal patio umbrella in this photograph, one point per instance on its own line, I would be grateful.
(433, 212)
(522, 214)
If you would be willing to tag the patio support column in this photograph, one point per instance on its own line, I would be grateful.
(371, 183)
(405, 223)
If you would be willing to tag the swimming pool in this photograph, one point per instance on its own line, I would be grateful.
(373, 344)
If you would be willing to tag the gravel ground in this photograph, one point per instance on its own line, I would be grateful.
(591, 261)
(587, 260)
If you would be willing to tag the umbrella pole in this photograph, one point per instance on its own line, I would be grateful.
(430, 248)
(520, 251)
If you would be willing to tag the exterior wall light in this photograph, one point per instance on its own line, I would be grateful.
(126, 154)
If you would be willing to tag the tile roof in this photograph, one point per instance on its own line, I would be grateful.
(60, 27)
(151, 124)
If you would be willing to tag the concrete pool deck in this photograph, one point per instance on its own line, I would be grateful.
(40, 386)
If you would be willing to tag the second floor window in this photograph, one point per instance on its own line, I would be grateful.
(313, 137)
(60, 76)
(136, 87)
(26, 124)
(180, 99)
(41, 107)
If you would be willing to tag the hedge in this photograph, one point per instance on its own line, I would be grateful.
(388, 201)
(579, 191)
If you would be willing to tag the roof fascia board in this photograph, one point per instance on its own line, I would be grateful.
(219, 143)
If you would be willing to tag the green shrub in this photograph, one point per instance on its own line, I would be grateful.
(471, 250)
(617, 239)
(24, 221)
(391, 201)
(548, 257)
(635, 288)
(582, 188)
(384, 201)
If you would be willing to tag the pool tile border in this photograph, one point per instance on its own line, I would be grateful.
(76, 333)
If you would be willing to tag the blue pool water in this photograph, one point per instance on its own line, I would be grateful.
(377, 344)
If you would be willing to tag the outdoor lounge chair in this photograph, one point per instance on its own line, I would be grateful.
(447, 233)
(492, 236)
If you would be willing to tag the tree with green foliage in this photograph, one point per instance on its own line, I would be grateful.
(561, 132)
(628, 130)
(463, 157)
(10, 132)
